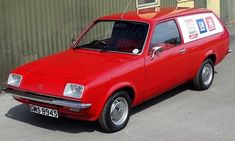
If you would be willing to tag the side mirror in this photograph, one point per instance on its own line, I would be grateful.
(155, 50)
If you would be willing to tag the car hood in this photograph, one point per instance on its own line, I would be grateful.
(80, 64)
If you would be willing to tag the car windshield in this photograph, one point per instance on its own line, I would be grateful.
(118, 36)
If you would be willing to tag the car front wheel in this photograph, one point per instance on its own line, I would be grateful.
(116, 112)
(205, 75)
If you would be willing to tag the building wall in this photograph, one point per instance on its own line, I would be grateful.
(188, 3)
(227, 11)
(168, 3)
(214, 5)
(200, 3)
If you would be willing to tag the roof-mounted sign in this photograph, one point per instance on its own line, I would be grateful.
(143, 4)
(185, 3)
(181, 1)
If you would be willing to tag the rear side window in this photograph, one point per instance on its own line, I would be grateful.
(166, 33)
(199, 26)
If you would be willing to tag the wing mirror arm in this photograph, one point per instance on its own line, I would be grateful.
(156, 50)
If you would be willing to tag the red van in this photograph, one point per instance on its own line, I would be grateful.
(123, 60)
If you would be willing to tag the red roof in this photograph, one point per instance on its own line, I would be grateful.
(151, 15)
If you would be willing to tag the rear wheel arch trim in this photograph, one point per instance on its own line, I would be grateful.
(202, 58)
(211, 55)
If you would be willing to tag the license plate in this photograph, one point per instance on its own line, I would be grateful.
(43, 111)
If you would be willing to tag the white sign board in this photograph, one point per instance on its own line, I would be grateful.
(142, 4)
(199, 26)
(182, 1)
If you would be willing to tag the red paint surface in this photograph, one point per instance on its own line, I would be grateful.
(104, 73)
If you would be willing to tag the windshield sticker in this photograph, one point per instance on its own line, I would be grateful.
(135, 51)
(210, 23)
(201, 26)
(191, 29)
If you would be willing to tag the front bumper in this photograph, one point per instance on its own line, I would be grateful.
(46, 99)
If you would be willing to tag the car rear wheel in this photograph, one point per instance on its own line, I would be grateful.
(205, 75)
(116, 112)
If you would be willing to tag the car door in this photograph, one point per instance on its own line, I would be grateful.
(166, 68)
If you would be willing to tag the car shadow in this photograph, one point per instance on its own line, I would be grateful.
(160, 98)
(21, 113)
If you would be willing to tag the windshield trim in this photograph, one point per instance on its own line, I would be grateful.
(80, 37)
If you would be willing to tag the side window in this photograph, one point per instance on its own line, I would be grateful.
(166, 34)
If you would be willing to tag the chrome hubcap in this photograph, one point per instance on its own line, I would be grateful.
(207, 74)
(119, 111)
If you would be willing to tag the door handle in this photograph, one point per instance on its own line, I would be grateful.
(182, 51)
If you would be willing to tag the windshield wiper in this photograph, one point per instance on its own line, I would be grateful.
(76, 47)
(103, 50)
(79, 47)
(107, 48)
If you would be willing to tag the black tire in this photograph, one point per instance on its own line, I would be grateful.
(198, 82)
(105, 120)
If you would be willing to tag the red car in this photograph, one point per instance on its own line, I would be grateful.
(121, 61)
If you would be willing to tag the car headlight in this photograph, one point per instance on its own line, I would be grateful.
(14, 79)
(73, 90)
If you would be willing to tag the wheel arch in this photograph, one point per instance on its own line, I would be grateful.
(105, 118)
(96, 110)
(129, 90)
(211, 55)
(125, 86)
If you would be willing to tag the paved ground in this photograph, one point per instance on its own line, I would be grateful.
(179, 115)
